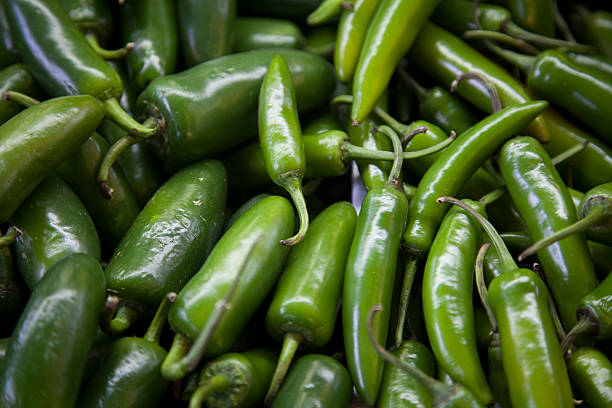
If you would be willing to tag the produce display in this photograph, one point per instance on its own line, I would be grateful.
(305, 203)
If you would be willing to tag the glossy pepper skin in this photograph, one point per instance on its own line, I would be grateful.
(532, 358)
(55, 332)
(205, 29)
(16, 78)
(368, 281)
(591, 97)
(447, 301)
(597, 306)
(352, 30)
(252, 33)
(212, 107)
(37, 140)
(114, 216)
(249, 374)
(8, 53)
(400, 389)
(315, 380)
(12, 294)
(455, 165)
(151, 26)
(590, 372)
(537, 16)
(390, 34)
(545, 204)
(56, 53)
(171, 236)
(271, 217)
(91, 16)
(456, 16)
(54, 224)
(444, 56)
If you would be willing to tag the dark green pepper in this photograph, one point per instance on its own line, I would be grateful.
(91, 17)
(252, 33)
(168, 241)
(15, 78)
(55, 332)
(590, 372)
(37, 140)
(8, 53)
(12, 294)
(321, 41)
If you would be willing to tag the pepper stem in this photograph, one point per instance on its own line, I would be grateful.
(420, 91)
(584, 325)
(110, 157)
(20, 98)
(523, 62)
(292, 182)
(175, 366)
(543, 41)
(504, 255)
(115, 112)
(10, 236)
(569, 153)
(290, 345)
(501, 37)
(493, 195)
(156, 327)
(596, 215)
(562, 24)
(409, 275)
(396, 168)
(218, 383)
(123, 319)
(350, 151)
(493, 95)
(120, 53)
(482, 286)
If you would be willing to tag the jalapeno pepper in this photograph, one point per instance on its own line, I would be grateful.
(55, 332)
(305, 302)
(91, 16)
(390, 34)
(321, 41)
(315, 380)
(205, 29)
(37, 140)
(253, 33)
(15, 78)
(590, 372)
(328, 11)
(8, 53)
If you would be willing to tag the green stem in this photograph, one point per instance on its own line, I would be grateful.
(482, 286)
(10, 236)
(543, 41)
(326, 12)
(290, 345)
(493, 195)
(416, 131)
(20, 98)
(176, 366)
(504, 255)
(218, 383)
(396, 168)
(115, 112)
(569, 153)
(584, 325)
(552, 309)
(381, 113)
(356, 152)
(493, 95)
(420, 91)
(501, 37)
(562, 24)
(123, 319)
(156, 327)
(110, 157)
(409, 275)
(596, 215)
(120, 53)
(523, 62)
(292, 182)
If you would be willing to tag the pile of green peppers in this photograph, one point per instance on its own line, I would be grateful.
(305, 203)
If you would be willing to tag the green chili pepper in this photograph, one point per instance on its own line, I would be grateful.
(303, 309)
(328, 11)
(280, 136)
(53, 224)
(370, 274)
(15, 78)
(544, 203)
(235, 380)
(244, 208)
(151, 26)
(321, 41)
(590, 372)
(168, 240)
(454, 167)
(602, 63)
(12, 294)
(352, 30)
(205, 29)
(55, 332)
(390, 34)
(129, 373)
(61, 60)
(8, 53)
(91, 17)
(315, 380)
(272, 218)
(252, 33)
(534, 15)
(400, 389)
(597, 25)
(447, 301)
(209, 93)
(37, 140)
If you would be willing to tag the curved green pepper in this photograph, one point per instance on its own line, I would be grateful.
(15, 78)
(537, 16)
(303, 309)
(315, 381)
(55, 332)
(205, 29)
(151, 26)
(590, 372)
(252, 33)
(37, 140)
(54, 223)
(213, 107)
(168, 240)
